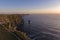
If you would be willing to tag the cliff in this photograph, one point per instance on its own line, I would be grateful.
(9, 23)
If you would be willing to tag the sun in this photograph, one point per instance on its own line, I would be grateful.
(57, 9)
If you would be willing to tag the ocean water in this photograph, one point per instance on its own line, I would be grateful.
(43, 26)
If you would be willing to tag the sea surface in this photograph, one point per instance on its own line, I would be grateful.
(43, 26)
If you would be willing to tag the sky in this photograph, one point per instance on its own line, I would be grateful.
(30, 6)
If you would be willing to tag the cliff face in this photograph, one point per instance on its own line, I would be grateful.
(12, 20)
(7, 24)
(11, 24)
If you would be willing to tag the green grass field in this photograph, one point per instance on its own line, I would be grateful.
(4, 35)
